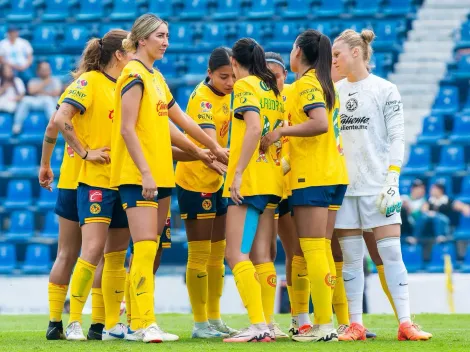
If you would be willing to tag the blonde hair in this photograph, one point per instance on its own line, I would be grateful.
(141, 29)
(362, 40)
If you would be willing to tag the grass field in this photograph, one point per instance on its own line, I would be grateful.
(27, 333)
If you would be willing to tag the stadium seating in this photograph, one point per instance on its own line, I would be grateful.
(227, 9)
(45, 39)
(433, 129)
(19, 194)
(462, 232)
(21, 226)
(452, 159)
(25, 160)
(464, 195)
(163, 8)
(413, 257)
(181, 36)
(436, 265)
(447, 100)
(405, 184)
(7, 258)
(33, 128)
(56, 159)
(286, 33)
(60, 64)
(213, 35)
(330, 8)
(55, 10)
(419, 160)
(21, 11)
(6, 123)
(465, 267)
(124, 10)
(366, 7)
(38, 259)
(193, 9)
(297, 9)
(261, 9)
(183, 96)
(461, 131)
(51, 226)
(444, 180)
(90, 10)
(398, 7)
(75, 38)
(47, 199)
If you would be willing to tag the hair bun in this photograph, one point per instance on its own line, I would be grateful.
(367, 35)
(128, 44)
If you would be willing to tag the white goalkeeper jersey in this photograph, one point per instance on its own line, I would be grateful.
(372, 127)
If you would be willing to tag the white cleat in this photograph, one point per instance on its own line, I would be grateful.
(207, 332)
(118, 332)
(342, 329)
(151, 334)
(167, 337)
(74, 332)
(316, 333)
(278, 333)
(220, 326)
(255, 333)
(132, 335)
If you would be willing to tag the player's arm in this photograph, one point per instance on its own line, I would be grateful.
(184, 145)
(46, 175)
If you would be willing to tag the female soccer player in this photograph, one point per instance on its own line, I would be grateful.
(373, 129)
(254, 182)
(318, 175)
(141, 150)
(201, 204)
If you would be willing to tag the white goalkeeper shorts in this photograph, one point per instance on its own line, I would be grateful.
(361, 213)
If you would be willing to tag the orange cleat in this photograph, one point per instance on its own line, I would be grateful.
(354, 332)
(409, 331)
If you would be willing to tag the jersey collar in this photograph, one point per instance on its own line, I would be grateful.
(215, 91)
(148, 69)
(109, 77)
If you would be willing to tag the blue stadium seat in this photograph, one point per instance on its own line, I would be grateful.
(106, 27)
(45, 39)
(447, 100)
(167, 65)
(90, 10)
(285, 35)
(463, 68)
(124, 10)
(437, 257)
(465, 267)
(461, 130)
(444, 180)
(297, 9)
(21, 11)
(387, 35)
(194, 9)
(3, 31)
(38, 259)
(464, 195)
(452, 159)
(324, 27)
(466, 108)
(462, 232)
(413, 257)
(60, 64)
(182, 96)
(330, 8)
(56, 10)
(433, 129)
(56, 159)
(214, 35)
(33, 128)
(19, 194)
(398, 7)
(76, 37)
(419, 160)
(227, 10)
(7, 258)
(47, 199)
(51, 226)
(405, 184)
(366, 7)
(21, 226)
(25, 160)
(2, 165)
(181, 35)
(261, 9)
(253, 30)
(198, 64)
(465, 35)
(6, 121)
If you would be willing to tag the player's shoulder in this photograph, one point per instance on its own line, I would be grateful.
(248, 81)
(340, 84)
(381, 83)
(134, 69)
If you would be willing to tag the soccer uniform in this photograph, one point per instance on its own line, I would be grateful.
(199, 188)
(262, 182)
(318, 169)
(93, 94)
(371, 114)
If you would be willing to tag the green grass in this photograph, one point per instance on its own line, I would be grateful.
(27, 333)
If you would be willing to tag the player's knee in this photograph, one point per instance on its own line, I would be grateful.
(376, 259)
(389, 250)
(67, 257)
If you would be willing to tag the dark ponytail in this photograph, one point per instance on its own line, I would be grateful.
(250, 55)
(316, 53)
(220, 57)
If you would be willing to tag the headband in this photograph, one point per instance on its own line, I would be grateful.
(276, 62)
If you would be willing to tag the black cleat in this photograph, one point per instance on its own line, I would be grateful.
(95, 332)
(370, 334)
(55, 331)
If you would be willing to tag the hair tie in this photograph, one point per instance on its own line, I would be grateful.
(100, 42)
(252, 46)
(276, 62)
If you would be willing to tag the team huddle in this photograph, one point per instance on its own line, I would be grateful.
(316, 162)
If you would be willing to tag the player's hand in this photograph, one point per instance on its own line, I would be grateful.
(270, 139)
(99, 155)
(389, 202)
(149, 187)
(205, 155)
(221, 154)
(46, 177)
(218, 167)
(235, 189)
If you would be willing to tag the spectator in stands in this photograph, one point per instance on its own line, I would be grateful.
(413, 203)
(16, 51)
(12, 89)
(43, 91)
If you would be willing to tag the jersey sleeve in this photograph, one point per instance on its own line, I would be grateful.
(310, 94)
(61, 99)
(395, 124)
(245, 99)
(169, 97)
(80, 93)
(130, 80)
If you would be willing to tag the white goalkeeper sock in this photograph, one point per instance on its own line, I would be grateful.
(395, 275)
(353, 275)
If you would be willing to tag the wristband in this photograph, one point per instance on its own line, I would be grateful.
(85, 155)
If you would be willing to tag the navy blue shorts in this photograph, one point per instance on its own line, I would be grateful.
(66, 204)
(200, 205)
(330, 197)
(260, 202)
(131, 196)
(100, 205)
(284, 207)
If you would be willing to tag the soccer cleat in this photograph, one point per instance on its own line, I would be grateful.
(278, 333)
(317, 333)
(118, 332)
(293, 327)
(134, 335)
(166, 336)
(412, 332)
(354, 332)
(74, 332)
(95, 332)
(55, 331)
(342, 329)
(220, 326)
(152, 334)
(254, 333)
(370, 335)
(207, 332)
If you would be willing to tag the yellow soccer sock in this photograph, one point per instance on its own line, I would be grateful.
(383, 282)
(340, 301)
(196, 278)
(248, 285)
(290, 294)
(127, 295)
(98, 314)
(82, 279)
(136, 322)
(57, 295)
(268, 281)
(113, 283)
(300, 286)
(215, 279)
(143, 279)
(331, 264)
(319, 275)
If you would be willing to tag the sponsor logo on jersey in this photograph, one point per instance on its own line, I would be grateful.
(310, 97)
(77, 93)
(168, 222)
(272, 280)
(395, 104)
(206, 106)
(206, 204)
(95, 195)
(206, 195)
(95, 208)
(207, 117)
(224, 129)
(349, 122)
(81, 83)
(111, 114)
(162, 108)
(243, 100)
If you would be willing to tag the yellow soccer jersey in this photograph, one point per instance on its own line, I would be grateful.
(319, 160)
(152, 128)
(287, 97)
(93, 94)
(71, 162)
(263, 175)
(210, 109)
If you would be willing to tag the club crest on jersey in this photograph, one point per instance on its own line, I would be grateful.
(95, 208)
(206, 204)
(225, 109)
(206, 106)
(351, 105)
(264, 86)
(272, 280)
(95, 195)
(330, 280)
(168, 233)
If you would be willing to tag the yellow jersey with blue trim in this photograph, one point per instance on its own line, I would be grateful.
(209, 108)
(71, 161)
(287, 98)
(94, 97)
(319, 160)
(263, 175)
(152, 128)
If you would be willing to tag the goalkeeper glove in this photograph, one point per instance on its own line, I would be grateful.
(389, 202)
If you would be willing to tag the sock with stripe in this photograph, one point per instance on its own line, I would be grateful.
(98, 312)
(340, 302)
(268, 281)
(113, 285)
(82, 280)
(300, 288)
(248, 286)
(215, 279)
(57, 295)
(383, 283)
